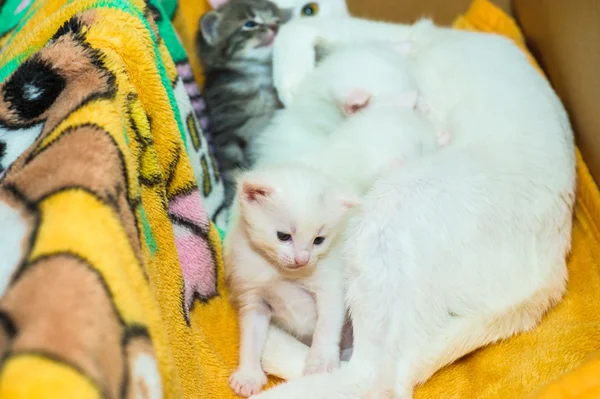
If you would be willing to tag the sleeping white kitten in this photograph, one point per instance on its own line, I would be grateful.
(381, 133)
(453, 251)
(306, 125)
(282, 263)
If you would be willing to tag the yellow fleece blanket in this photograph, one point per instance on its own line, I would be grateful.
(111, 274)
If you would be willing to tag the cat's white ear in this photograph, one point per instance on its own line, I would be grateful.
(209, 24)
(255, 191)
(217, 3)
(407, 99)
(348, 201)
(404, 47)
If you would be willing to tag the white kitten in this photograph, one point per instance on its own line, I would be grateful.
(382, 133)
(457, 250)
(305, 126)
(282, 263)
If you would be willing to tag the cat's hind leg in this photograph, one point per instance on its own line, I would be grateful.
(424, 354)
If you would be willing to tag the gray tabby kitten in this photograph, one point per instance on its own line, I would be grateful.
(235, 48)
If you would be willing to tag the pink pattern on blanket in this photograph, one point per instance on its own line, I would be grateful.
(184, 69)
(190, 227)
(189, 207)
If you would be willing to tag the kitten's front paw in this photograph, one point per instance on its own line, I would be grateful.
(293, 59)
(322, 360)
(247, 382)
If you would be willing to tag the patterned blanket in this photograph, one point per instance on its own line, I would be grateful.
(111, 282)
(107, 193)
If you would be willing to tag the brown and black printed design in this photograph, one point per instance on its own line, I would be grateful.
(62, 304)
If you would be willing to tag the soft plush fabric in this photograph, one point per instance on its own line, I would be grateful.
(107, 252)
(111, 275)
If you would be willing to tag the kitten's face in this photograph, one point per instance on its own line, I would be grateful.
(242, 30)
(318, 9)
(292, 216)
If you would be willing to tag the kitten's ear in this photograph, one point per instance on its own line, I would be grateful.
(217, 3)
(255, 191)
(348, 201)
(208, 26)
(407, 99)
(355, 101)
(285, 15)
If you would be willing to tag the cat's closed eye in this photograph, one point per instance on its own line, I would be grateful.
(319, 240)
(283, 236)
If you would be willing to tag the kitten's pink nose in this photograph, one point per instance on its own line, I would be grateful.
(301, 258)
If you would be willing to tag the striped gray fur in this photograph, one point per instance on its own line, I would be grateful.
(234, 46)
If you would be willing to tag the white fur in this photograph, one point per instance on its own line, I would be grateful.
(460, 249)
(373, 142)
(306, 125)
(389, 131)
(326, 8)
(263, 273)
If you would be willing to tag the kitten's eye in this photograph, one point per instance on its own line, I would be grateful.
(310, 10)
(250, 25)
(283, 236)
(319, 240)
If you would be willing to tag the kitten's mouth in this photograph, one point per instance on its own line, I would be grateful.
(268, 42)
(271, 38)
(295, 267)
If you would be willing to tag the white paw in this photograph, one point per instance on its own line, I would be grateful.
(322, 360)
(247, 382)
(293, 59)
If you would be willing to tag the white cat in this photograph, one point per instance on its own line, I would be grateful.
(324, 128)
(384, 133)
(453, 251)
(283, 263)
(315, 9)
(305, 9)
(306, 125)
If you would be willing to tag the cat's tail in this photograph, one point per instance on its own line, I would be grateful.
(283, 356)
(343, 383)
